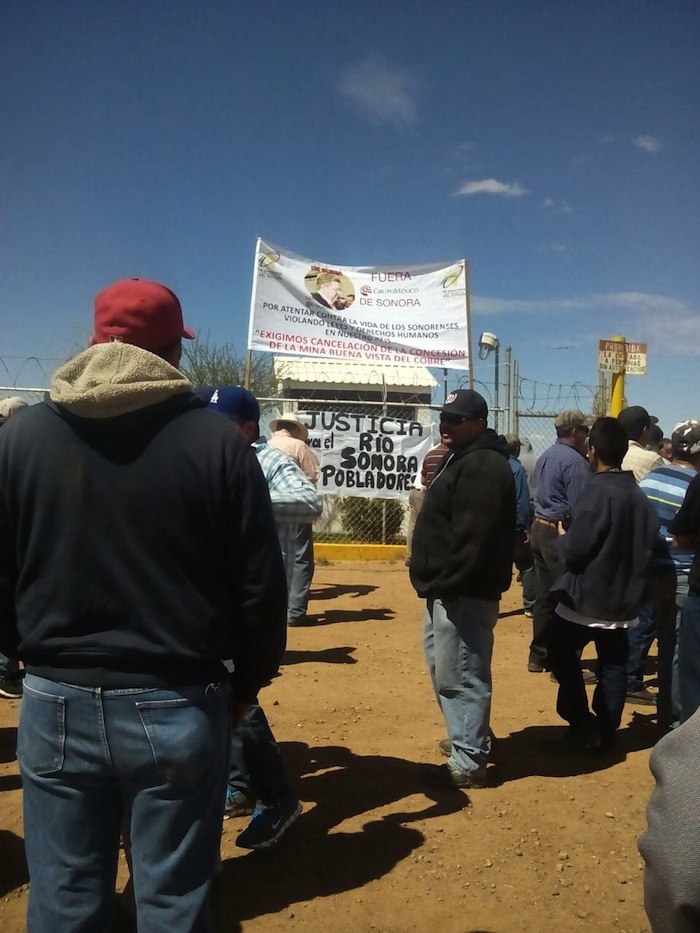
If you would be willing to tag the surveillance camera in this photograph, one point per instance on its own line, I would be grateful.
(487, 343)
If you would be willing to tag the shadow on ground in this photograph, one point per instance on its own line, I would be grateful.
(337, 655)
(530, 752)
(13, 864)
(8, 744)
(334, 616)
(311, 861)
(334, 590)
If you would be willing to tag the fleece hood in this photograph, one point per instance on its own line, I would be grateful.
(112, 379)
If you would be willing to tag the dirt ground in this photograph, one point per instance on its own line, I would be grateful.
(551, 845)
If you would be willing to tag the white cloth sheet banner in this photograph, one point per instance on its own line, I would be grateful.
(370, 456)
(393, 314)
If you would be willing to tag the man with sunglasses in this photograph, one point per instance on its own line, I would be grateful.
(461, 563)
(561, 474)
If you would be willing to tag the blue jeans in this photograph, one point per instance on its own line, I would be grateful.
(302, 573)
(8, 667)
(257, 768)
(640, 638)
(92, 758)
(458, 643)
(689, 656)
(681, 596)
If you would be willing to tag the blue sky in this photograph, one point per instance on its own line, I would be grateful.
(554, 144)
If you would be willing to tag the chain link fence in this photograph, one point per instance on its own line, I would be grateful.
(371, 447)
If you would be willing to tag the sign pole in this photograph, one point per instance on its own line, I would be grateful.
(469, 324)
(617, 386)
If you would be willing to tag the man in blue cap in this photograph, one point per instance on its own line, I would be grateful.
(257, 780)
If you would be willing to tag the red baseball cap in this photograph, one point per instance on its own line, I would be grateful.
(145, 314)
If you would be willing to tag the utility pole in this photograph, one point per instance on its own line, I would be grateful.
(617, 386)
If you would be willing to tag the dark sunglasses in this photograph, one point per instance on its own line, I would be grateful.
(446, 418)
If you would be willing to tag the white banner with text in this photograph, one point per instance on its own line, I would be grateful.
(398, 314)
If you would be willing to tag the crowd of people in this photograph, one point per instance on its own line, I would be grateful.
(606, 545)
(181, 548)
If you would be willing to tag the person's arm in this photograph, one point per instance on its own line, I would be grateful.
(308, 461)
(685, 525)
(575, 476)
(258, 582)
(293, 495)
(585, 536)
(8, 583)
(522, 498)
(483, 500)
(671, 845)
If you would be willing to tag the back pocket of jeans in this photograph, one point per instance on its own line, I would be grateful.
(41, 736)
(188, 737)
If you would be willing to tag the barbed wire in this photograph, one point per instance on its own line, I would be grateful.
(535, 397)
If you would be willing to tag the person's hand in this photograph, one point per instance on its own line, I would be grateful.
(560, 528)
(239, 711)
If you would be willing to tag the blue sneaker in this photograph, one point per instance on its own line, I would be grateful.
(269, 823)
(238, 804)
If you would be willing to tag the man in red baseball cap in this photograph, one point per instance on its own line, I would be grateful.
(137, 551)
(144, 314)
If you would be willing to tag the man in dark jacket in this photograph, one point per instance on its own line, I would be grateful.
(461, 564)
(605, 556)
(137, 550)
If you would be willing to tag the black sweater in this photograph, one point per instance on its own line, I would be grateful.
(138, 550)
(607, 549)
(464, 535)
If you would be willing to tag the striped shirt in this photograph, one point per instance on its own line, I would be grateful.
(431, 462)
(666, 488)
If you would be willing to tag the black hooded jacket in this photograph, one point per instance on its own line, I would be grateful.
(137, 542)
(464, 535)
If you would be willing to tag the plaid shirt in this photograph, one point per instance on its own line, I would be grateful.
(294, 497)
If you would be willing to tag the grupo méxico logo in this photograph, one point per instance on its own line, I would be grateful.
(366, 290)
(453, 276)
(269, 259)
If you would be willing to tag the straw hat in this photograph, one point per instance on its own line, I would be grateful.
(291, 422)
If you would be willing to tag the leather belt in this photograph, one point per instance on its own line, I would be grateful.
(546, 521)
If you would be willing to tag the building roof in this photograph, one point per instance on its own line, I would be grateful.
(304, 371)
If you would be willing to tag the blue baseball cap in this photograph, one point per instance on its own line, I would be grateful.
(236, 403)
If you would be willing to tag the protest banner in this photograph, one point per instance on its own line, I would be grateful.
(370, 456)
(398, 314)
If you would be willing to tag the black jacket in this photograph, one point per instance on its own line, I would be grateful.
(607, 549)
(464, 535)
(137, 543)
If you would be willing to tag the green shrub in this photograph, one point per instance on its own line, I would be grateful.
(363, 519)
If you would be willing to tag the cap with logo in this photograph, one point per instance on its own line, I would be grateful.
(236, 403)
(145, 314)
(573, 418)
(685, 440)
(465, 402)
(634, 419)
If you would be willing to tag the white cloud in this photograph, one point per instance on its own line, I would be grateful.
(491, 186)
(557, 207)
(643, 302)
(382, 93)
(666, 324)
(648, 143)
